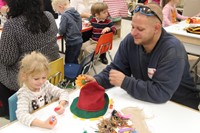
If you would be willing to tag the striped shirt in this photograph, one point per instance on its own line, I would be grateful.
(98, 26)
(28, 101)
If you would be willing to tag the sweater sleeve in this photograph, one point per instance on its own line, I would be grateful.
(119, 63)
(22, 112)
(9, 49)
(181, 17)
(63, 25)
(57, 92)
(112, 27)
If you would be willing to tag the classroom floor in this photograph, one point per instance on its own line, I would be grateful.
(125, 29)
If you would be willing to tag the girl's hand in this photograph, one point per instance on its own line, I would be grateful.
(50, 122)
(59, 109)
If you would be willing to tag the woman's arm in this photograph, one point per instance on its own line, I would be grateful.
(9, 49)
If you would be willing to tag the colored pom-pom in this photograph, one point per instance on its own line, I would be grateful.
(56, 109)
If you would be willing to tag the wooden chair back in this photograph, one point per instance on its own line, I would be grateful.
(56, 73)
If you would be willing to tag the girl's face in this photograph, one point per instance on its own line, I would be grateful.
(34, 82)
(103, 15)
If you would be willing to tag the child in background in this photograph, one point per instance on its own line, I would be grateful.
(170, 14)
(36, 91)
(101, 24)
(3, 7)
(70, 28)
(3, 10)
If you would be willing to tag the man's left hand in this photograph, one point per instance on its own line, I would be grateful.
(116, 77)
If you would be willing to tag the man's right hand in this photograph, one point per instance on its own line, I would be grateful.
(89, 78)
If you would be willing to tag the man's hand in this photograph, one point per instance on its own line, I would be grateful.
(89, 78)
(116, 77)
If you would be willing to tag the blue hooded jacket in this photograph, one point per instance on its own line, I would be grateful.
(71, 26)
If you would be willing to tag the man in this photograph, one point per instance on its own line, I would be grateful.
(150, 64)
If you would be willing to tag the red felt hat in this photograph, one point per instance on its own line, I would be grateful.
(92, 101)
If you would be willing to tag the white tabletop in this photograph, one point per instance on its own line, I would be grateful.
(179, 30)
(162, 118)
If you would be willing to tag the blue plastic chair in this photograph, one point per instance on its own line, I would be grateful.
(12, 103)
(71, 70)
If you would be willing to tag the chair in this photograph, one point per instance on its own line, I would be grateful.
(194, 51)
(12, 104)
(56, 73)
(71, 70)
(104, 45)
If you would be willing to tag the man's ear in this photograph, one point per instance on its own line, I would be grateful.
(157, 27)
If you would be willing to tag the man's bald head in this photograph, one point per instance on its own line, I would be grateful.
(155, 9)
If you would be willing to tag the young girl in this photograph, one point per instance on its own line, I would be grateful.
(36, 91)
(170, 14)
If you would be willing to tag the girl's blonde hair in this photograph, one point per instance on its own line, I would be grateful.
(98, 7)
(32, 64)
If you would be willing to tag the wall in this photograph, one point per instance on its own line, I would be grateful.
(191, 7)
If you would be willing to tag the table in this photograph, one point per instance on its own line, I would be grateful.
(86, 34)
(162, 118)
(178, 31)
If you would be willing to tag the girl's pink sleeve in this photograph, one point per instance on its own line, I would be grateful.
(181, 17)
(166, 16)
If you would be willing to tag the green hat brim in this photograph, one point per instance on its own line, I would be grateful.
(86, 114)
